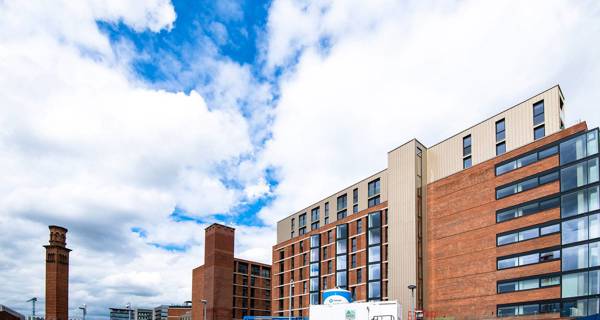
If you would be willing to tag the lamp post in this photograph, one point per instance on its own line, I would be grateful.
(204, 302)
(128, 307)
(412, 288)
(291, 292)
(84, 310)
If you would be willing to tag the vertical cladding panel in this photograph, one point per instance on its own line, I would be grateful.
(445, 158)
(401, 215)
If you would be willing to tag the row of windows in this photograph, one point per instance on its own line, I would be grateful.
(525, 160)
(569, 308)
(527, 234)
(571, 150)
(528, 258)
(528, 284)
(527, 209)
(527, 184)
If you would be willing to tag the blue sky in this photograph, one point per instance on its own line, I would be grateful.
(136, 124)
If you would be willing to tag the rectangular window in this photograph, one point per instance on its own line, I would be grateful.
(500, 130)
(354, 242)
(525, 185)
(374, 201)
(341, 214)
(527, 259)
(526, 234)
(355, 196)
(467, 146)
(539, 132)
(467, 163)
(527, 209)
(359, 228)
(302, 220)
(342, 202)
(579, 147)
(353, 261)
(341, 279)
(538, 113)
(359, 276)
(374, 187)
(516, 164)
(579, 174)
(580, 202)
(355, 208)
(314, 214)
(314, 225)
(326, 209)
(501, 148)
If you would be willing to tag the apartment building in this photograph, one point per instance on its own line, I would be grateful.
(464, 220)
(229, 287)
(130, 314)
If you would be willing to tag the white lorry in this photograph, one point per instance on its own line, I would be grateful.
(383, 310)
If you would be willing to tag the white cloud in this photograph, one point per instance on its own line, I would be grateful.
(394, 71)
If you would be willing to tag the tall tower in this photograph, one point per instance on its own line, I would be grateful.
(57, 275)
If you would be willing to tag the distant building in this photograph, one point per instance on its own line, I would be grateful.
(161, 312)
(175, 312)
(232, 288)
(57, 275)
(131, 314)
(7, 313)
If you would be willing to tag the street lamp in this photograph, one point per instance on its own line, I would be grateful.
(204, 302)
(412, 288)
(128, 307)
(291, 292)
(84, 310)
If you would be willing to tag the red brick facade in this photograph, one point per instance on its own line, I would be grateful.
(461, 237)
(296, 261)
(57, 275)
(231, 287)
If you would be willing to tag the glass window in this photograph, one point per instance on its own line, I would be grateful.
(575, 257)
(500, 130)
(374, 254)
(340, 279)
(538, 113)
(594, 251)
(314, 284)
(548, 152)
(374, 290)
(374, 236)
(592, 142)
(594, 282)
(374, 187)
(341, 262)
(467, 145)
(506, 239)
(574, 308)
(550, 281)
(375, 220)
(507, 311)
(314, 298)
(358, 226)
(539, 132)
(314, 254)
(549, 229)
(528, 234)
(341, 246)
(550, 177)
(549, 255)
(374, 201)
(508, 263)
(355, 196)
(501, 148)
(508, 286)
(579, 147)
(374, 271)
(529, 259)
(342, 202)
(574, 284)
(314, 269)
(529, 284)
(342, 231)
(579, 202)
(574, 230)
(467, 163)
(579, 174)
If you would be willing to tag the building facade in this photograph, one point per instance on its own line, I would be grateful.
(131, 314)
(407, 224)
(57, 275)
(229, 288)
(7, 313)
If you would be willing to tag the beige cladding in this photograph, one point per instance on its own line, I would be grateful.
(402, 184)
(284, 226)
(446, 157)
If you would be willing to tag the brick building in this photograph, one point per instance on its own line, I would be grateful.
(7, 313)
(473, 221)
(57, 275)
(231, 287)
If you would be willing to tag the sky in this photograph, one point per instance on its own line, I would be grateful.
(136, 124)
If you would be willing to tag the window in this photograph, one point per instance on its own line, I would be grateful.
(525, 160)
(467, 162)
(355, 195)
(353, 248)
(538, 113)
(353, 261)
(580, 202)
(341, 280)
(374, 187)
(527, 209)
(467, 146)
(374, 256)
(359, 276)
(342, 202)
(359, 227)
(539, 132)
(526, 234)
(302, 220)
(326, 221)
(579, 147)
(302, 231)
(326, 208)
(527, 259)
(500, 148)
(579, 174)
(374, 201)
(374, 290)
(314, 214)
(581, 256)
(314, 225)
(341, 214)
(525, 185)
(528, 309)
(500, 130)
